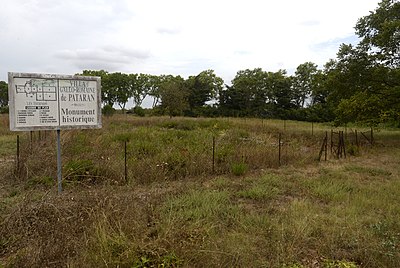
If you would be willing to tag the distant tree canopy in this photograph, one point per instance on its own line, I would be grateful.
(203, 88)
(361, 85)
(174, 96)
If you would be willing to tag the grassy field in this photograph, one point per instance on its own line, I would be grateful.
(179, 208)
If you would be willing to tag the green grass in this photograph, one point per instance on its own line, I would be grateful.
(174, 211)
(8, 146)
(265, 188)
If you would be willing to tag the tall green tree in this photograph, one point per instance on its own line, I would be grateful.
(144, 84)
(248, 94)
(258, 93)
(380, 33)
(203, 88)
(174, 96)
(348, 74)
(155, 91)
(319, 92)
(281, 102)
(304, 83)
(365, 81)
(119, 87)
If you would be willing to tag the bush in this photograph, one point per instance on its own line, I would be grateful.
(108, 110)
(4, 110)
(139, 111)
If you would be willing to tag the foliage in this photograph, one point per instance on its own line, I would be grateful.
(3, 94)
(174, 96)
(203, 88)
(139, 111)
(118, 84)
(364, 82)
(257, 93)
(108, 110)
(380, 33)
(304, 83)
(107, 95)
(143, 85)
(4, 110)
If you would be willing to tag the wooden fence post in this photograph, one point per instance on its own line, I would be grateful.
(324, 147)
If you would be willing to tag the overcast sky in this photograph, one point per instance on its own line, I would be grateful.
(173, 37)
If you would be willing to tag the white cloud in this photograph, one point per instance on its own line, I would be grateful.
(108, 58)
(176, 36)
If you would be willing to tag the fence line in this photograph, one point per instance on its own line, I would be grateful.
(226, 151)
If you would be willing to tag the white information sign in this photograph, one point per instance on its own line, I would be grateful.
(47, 101)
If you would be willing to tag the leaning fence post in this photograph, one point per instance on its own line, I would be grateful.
(324, 146)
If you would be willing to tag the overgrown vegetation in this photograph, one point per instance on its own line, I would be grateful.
(175, 212)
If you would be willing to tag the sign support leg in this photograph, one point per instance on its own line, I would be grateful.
(59, 167)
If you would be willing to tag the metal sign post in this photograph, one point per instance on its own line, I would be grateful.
(59, 165)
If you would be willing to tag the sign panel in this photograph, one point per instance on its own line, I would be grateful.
(46, 101)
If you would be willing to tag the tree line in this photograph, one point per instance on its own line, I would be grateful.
(361, 85)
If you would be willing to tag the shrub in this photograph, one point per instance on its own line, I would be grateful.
(139, 111)
(108, 110)
(4, 110)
